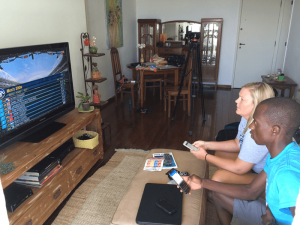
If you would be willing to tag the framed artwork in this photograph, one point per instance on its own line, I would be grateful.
(114, 23)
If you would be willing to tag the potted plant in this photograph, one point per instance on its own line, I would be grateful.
(85, 101)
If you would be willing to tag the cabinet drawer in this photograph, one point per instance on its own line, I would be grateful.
(46, 204)
(79, 167)
(169, 50)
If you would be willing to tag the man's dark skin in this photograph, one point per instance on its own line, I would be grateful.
(263, 133)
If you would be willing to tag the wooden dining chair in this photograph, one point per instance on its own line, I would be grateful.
(169, 78)
(117, 71)
(171, 93)
(153, 81)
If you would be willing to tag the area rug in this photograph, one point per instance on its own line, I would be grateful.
(97, 199)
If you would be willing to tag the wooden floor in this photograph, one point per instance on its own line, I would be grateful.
(155, 130)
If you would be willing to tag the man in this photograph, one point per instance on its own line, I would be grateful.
(274, 122)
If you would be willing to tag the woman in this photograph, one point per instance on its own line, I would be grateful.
(239, 160)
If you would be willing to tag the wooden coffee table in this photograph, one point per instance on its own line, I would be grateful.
(287, 83)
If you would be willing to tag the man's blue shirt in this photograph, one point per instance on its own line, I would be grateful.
(283, 182)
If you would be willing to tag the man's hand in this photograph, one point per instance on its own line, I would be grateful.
(201, 144)
(193, 181)
(199, 154)
(268, 218)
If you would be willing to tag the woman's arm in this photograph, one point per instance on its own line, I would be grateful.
(237, 166)
(227, 146)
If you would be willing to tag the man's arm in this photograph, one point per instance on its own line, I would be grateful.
(293, 209)
(241, 191)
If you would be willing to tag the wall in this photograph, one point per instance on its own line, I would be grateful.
(194, 10)
(292, 61)
(40, 22)
(95, 11)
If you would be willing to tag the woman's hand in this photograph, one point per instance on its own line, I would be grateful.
(201, 144)
(199, 154)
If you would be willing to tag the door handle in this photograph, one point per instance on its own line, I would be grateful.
(242, 44)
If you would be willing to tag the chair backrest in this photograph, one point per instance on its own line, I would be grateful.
(115, 63)
(149, 51)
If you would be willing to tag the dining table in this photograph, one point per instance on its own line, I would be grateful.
(160, 70)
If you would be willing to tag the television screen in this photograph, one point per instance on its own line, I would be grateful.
(35, 89)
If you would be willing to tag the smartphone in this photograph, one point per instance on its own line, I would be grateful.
(166, 206)
(190, 146)
(180, 182)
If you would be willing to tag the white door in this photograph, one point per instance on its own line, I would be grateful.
(256, 43)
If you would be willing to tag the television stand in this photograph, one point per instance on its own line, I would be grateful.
(44, 201)
(44, 132)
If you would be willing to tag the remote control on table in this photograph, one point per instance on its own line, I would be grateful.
(168, 160)
(190, 146)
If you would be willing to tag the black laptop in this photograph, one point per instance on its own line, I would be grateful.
(149, 213)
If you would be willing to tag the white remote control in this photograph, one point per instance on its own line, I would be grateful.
(190, 146)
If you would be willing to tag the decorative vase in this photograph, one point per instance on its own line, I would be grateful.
(86, 106)
(96, 75)
(93, 49)
(281, 77)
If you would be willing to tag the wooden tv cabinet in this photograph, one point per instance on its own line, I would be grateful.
(38, 207)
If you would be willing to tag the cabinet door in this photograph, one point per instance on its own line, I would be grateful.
(210, 48)
(148, 33)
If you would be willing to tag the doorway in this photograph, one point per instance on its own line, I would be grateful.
(258, 32)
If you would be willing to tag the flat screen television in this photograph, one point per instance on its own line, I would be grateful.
(36, 88)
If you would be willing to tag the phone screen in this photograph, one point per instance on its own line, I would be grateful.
(178, 179)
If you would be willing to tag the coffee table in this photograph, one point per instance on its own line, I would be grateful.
(194, 205)
(287, 83)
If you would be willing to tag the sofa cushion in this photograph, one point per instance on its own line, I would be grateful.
(192, 204)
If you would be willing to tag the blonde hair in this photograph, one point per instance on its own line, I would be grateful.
(259, 92)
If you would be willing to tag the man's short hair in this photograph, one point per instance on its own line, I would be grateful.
(284, 112)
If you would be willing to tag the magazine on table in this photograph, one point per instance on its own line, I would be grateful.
(154, 164)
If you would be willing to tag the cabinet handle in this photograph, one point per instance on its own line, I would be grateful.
(78, 171)
(95, 153)
(57, 194)
(29, 222)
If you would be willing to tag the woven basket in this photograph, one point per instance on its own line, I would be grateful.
(90, 144)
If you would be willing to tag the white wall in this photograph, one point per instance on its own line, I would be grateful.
(34, 22)
(194, 10)
(292, 61)
(95, 11)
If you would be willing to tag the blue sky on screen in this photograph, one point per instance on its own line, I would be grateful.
(25, 70)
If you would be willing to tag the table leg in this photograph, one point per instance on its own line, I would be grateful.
(134, 74)
(142, 88)
(176, 77)
(292, 89)
(282, 92)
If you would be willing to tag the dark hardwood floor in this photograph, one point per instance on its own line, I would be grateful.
(155, 130)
